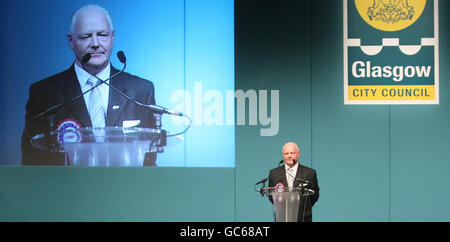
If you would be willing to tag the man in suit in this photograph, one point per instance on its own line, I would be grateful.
(91, 33)
(292, 174)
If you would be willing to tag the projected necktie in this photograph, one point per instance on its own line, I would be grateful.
(96, 109)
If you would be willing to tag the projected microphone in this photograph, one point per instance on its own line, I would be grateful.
(122, 57)
(153, 108)
(85, 59)
(53, 109)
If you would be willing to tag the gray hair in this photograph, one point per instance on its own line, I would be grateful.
(75, 15)
(290, 143)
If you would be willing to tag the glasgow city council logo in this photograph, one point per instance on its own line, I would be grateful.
(391, 52)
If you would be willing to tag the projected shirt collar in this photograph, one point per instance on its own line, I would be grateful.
(83, 76)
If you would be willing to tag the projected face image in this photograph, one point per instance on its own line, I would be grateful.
(180, 58)
(92, 33)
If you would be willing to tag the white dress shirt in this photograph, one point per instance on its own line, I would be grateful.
(293, 172)
(83, 76)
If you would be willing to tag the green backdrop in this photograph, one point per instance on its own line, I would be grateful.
(374, 163)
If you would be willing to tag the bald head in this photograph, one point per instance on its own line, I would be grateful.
(91, 32)
(86, 10)
(290, 153)
(290, 144)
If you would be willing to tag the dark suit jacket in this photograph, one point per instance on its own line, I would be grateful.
(304, 173)
(64, 86)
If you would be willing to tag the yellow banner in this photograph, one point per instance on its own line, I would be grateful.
(415, 93)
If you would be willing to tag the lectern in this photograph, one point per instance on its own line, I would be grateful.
(109, 146)
(286, 201)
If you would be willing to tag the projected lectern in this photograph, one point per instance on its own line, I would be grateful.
(109, 146)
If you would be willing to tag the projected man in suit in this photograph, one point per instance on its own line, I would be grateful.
(91, 32)
(287, 175)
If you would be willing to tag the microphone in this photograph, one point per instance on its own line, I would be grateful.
(261, 190)
(304, 182)
(53, 109)
(85, 59)
(281, 162)
(153, 108)
(121, 57)
(160, 110)
(262, 181)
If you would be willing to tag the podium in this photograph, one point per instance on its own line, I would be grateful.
(109, 146)
(286, 201)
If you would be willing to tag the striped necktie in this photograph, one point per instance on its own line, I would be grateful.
(95, 108)
(290, 177)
